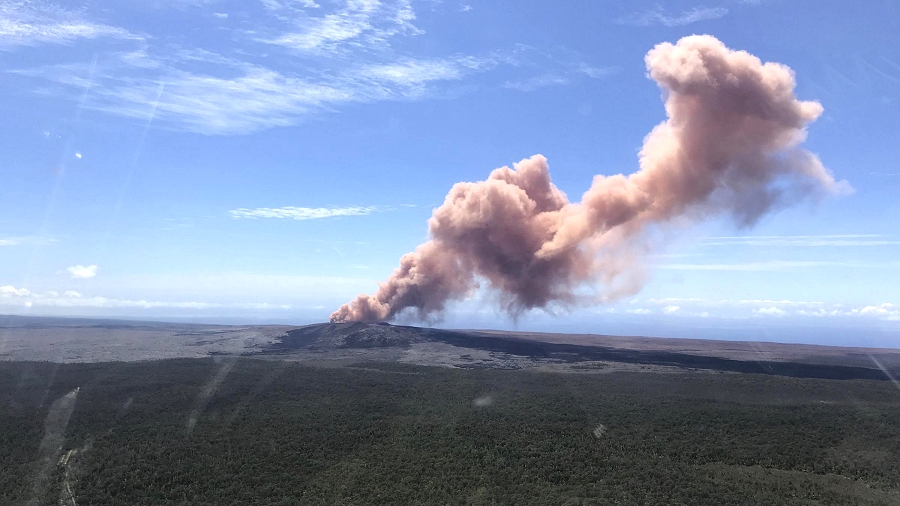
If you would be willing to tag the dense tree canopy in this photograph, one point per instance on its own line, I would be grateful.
(241, 431)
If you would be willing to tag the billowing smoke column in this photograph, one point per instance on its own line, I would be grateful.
(729, 145)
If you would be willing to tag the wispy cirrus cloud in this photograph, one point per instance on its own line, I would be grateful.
(536, 82)
(659, 16)
(357, 24)
(801, 240)
(561, 76)
(325, 33)
(412, 72)
(243, 98)
(316, 58)
(301, 213)
(288, 5)
(250, 99)
(598, 72)
(33, 23)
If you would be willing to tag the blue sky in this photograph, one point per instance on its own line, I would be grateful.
(269, 160)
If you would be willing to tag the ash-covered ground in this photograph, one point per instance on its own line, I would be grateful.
(86, 340)
(337, 344)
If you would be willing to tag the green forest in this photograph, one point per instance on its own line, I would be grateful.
(230, 431)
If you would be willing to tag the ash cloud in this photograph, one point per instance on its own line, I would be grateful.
(729, 145)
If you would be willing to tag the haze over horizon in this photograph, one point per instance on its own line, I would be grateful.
(276, 159)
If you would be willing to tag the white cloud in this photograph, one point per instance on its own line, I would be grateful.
(774, 265)
(11, 296)
(83, 271)
(465, 8)
(229, 287)
(10, 241)
(25, 240)
(886, 311)
(534, 83)
(659, 16)
(638, 311)
(821, 312)
(736, 308)
(301, 213)
(801, 240)
(32, 23)
(221, 15)
(770, 311)
(732, 302)
(668, 300)
(11, 291)
(783, 302)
